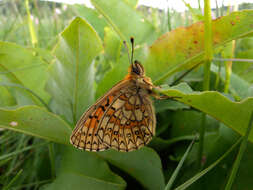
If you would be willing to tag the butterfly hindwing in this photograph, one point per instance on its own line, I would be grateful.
(129, 122)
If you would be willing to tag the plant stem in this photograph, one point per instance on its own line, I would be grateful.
(33, 36)
(208, 44)
(52, 159)
(229, 63)
(207, 67)
(201, 140)
(240, 155)
(168, 18)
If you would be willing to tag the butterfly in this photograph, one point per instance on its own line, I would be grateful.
(123, 119)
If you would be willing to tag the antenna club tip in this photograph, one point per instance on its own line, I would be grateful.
(132, 39)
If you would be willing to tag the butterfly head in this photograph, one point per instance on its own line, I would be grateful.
(136, 68)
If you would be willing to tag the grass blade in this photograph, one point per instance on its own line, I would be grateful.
(240, 155)
(179, 166)
(203, 172)
(13, 180)
(22, 150)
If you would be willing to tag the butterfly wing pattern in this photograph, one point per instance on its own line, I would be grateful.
(123, 119)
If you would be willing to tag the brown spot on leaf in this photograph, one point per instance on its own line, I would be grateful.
(232, 23)
(195, 42)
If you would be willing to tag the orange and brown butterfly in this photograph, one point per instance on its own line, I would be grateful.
(123, 119)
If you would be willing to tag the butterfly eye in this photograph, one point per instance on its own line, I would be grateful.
(136, 70)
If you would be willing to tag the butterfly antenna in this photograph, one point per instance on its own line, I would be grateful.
(132, 52)
(124, 42)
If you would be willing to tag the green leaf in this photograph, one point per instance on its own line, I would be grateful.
(112, 45)
(6, 99)
(162, 105)
(233, 114)
(31, 73)
(129, 23)
(113, 76)
(35, 121)
(144, 165)
(183, 47)
(83, 170)
(72, 74)
(95, 19)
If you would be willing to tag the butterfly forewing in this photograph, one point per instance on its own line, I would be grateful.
(123, 119)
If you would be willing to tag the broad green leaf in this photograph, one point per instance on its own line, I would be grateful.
(19, 65)
(6, 99)
(118, 72)
(183, 47)
(112, 45)
(35, 121)
(162, 105)
(113, 76)
(72, 74)
(188, 122)
(83, 170)
(96, 20)
(144, 165)
(21, 96)
(77, 181)
(233, 114)
(126, 21)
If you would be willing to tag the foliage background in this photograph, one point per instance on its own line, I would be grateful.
(56, 60)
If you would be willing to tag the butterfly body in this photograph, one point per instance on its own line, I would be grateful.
(122, 119)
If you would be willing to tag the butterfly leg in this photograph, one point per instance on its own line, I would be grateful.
(162, 97)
